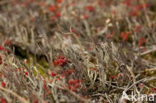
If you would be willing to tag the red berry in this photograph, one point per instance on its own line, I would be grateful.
(72, 29)
(26, 60)
(61, 75)
(46, 87)
(3, 100)
(3, 84)
(53, 73)
(58, 13)
(71, 81)
(51, 8)
(26, 73)
(112, 76)
(36, 100)
(71, 71)
(75, 82)
(59, 1)
(90, 7)
(1, 47)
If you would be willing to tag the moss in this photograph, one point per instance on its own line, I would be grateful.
(41, 71)
(34, 72)
(42, 61)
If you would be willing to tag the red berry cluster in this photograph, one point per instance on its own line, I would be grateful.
(74, 84)
(53, 73)
(46, 87)
(90, 7)
(3, 84)
(1, 47)
(3, 100)
(124, 35)
(0, 59)
(60, 60)
(142, 40)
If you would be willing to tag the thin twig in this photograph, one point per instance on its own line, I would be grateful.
(148, 51)
(133, 78)
(71, 92)
(151, 69)
(14, 94)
